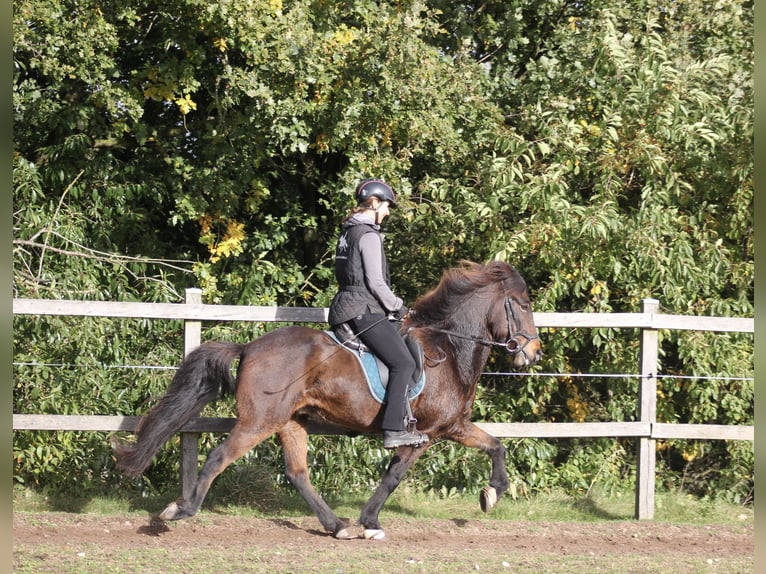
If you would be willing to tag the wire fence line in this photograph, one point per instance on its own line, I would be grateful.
(621, 376)
(486, 373)
(82, 366)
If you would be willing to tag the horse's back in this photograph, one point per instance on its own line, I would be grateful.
(294, 353)
(298, 368)
(290, 339)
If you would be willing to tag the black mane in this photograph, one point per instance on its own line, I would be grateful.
(438, 305)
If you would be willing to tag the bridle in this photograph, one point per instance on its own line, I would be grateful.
(512, 344)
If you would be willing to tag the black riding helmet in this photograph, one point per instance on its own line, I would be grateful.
(375, 188)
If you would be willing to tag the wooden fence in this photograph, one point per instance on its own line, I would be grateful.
(647, 430)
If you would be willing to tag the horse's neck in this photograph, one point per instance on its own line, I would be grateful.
(470, 355)
(467, 320)
(470, 358)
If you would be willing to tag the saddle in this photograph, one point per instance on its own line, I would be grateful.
(374, 369)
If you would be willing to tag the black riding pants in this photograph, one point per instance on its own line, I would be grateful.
(383, 338)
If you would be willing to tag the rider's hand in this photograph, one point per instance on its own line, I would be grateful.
(400, 313)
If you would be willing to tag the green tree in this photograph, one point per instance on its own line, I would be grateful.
(633, 178)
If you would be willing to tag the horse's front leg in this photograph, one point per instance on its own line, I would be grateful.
(472, 436)
(402, 460)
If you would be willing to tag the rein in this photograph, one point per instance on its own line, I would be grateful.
(479, 340)
(511, 345)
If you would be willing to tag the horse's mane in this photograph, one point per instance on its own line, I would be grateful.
(438, 305)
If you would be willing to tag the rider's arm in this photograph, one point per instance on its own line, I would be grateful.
(372, 262)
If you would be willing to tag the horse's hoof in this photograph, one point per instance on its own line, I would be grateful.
(374, 534)
(488, 498)
(171, 512)
(343, 534)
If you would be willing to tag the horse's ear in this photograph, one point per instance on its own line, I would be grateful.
(498, 267)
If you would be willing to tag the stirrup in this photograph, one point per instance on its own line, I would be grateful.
(395, 439)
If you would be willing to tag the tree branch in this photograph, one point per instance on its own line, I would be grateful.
(53, 220)
(99, 255)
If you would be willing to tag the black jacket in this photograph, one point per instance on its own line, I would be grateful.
(362, 289)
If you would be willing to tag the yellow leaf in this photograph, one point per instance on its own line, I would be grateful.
(186, 104)
(230, 244)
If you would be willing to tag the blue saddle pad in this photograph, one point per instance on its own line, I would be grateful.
(371, 371)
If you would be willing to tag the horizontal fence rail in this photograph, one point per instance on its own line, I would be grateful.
(501, 430)
(203, 312)
(193, 312)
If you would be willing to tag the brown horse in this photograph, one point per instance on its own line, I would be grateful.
(295, 374)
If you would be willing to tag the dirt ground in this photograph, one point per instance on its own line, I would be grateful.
(410, 540)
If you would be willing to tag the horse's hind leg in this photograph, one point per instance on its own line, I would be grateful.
(294, 439)
(240, 441)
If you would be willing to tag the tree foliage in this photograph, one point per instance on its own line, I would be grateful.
(604, 148)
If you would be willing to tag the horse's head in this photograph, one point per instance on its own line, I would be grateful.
(512, 321)
(460, 299)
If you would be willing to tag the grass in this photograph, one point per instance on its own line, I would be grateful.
(406, 503)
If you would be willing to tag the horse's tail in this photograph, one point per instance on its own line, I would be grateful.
(202, 376)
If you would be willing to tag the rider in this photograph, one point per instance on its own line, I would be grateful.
(364, 299)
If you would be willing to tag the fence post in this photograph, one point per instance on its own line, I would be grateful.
(647, 413)
(190, 440)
